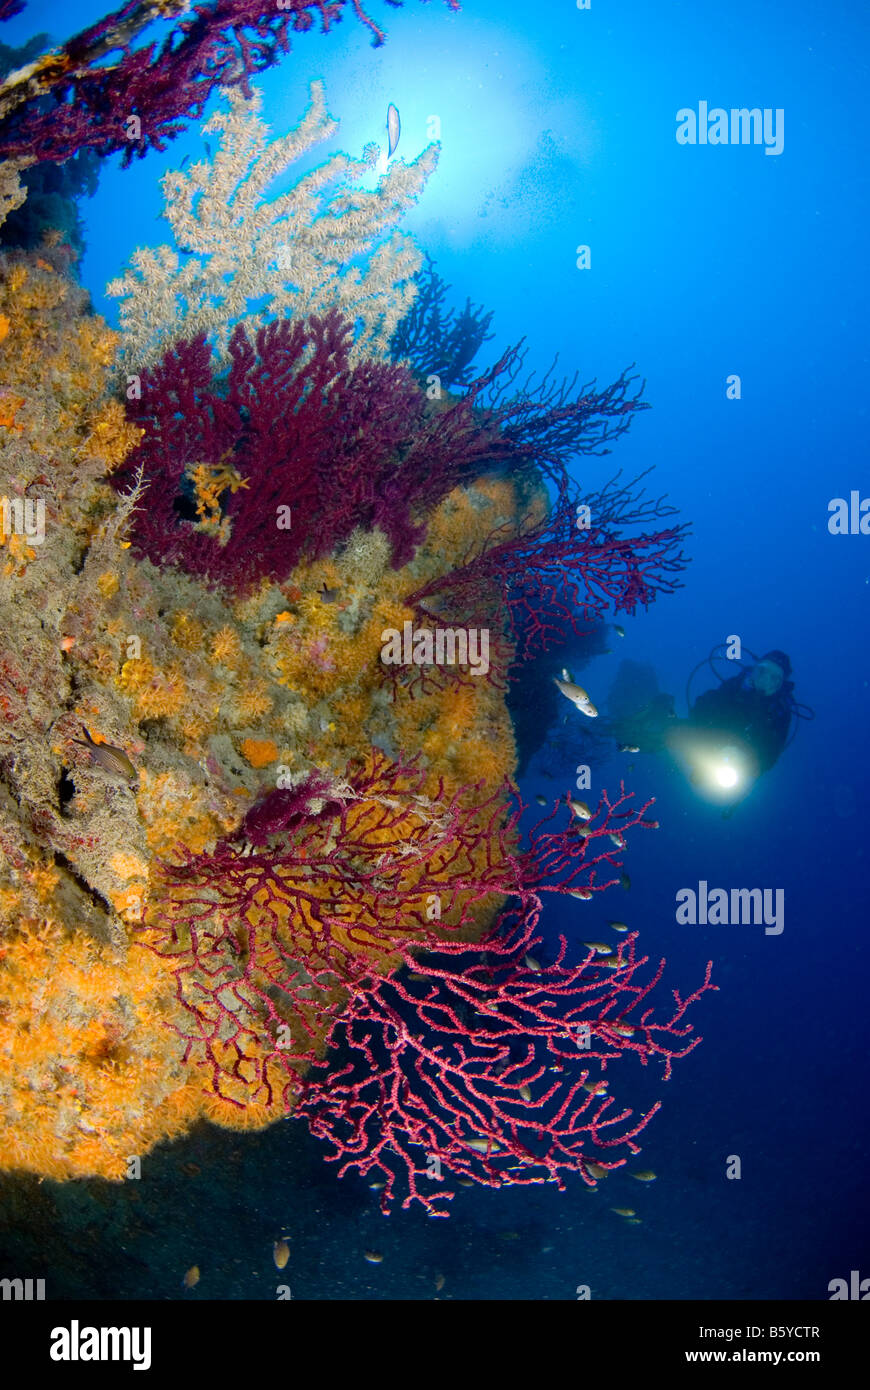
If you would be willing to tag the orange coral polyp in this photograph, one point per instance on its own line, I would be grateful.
(259, 752)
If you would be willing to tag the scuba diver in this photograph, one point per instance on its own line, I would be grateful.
(754, 707)
(732, 734)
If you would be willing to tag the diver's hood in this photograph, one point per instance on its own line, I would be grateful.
(781, 660)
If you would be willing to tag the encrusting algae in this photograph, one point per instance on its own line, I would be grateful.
(210, 697)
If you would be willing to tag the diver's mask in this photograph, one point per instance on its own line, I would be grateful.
(767, 677)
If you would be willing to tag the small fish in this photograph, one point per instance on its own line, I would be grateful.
(580, 810)
(466, 1182)
(533, 965)
(566, 675)
(599, 947)
(595, 1088)
(526, 1092)
(645, 1175)
(394, 129)
(620, 631)
(625, 881)
(624, 1030)
(581, 831)
(374, 1257)
(623, 1211)
(541, 800)
(634, 1221)
(280, 1253)
(595, 1170)
(617, 926)
(584, 894)
(618, 840)
(377, 1186)
(578, 697)
(440, 1281)
(191, 1278)
(612, 964)
(109, 758)
(629, 748)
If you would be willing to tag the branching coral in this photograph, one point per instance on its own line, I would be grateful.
(288, 945)
(207, 695)
(254, 853)
(263, 942)
(90, 101)
(282, 456)
(485, 1068)
(439, 343)
(553, 579)
(307, 435)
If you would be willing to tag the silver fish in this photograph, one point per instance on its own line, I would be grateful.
(578, 697)
(394, 129)
(483, 1146)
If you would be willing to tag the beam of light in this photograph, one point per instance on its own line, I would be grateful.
(718, 771)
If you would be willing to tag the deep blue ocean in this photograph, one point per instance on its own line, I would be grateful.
(558, 130)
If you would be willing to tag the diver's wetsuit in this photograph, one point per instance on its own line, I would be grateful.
(759, 720)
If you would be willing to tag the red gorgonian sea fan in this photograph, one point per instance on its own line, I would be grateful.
(338, 964)
(71, 99)
(491, 1068)
(533, 590)
(300, 447)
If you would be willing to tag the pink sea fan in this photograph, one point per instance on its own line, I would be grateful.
(411, 1050)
